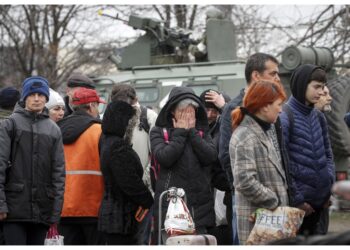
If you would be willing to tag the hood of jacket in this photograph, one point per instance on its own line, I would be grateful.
(300, 79)
(116, 118)
(75, 124)
(176, 95)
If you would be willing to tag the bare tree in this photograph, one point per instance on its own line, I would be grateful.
(47, 40)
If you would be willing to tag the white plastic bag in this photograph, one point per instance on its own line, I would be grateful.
(178, 220)
(52, 236)
(220, 208)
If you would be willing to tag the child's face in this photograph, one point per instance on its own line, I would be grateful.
(313, 92)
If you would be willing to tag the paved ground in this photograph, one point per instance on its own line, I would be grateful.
(339, 222)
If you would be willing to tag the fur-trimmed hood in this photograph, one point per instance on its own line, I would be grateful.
(116, 119)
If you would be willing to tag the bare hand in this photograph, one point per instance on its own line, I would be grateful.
(185, 118)
(179, 120)
(3, 216)
(217, 99)
(252, 217)
(191, 117)
(327, 204)
(307, 208)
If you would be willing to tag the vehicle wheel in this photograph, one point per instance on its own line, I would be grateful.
(338, 130)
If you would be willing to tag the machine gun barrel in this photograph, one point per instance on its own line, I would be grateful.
(116, 17)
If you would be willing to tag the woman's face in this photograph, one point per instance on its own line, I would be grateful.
(56, 113)
(272, 111)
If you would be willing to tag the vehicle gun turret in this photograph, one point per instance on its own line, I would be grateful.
(159, 45)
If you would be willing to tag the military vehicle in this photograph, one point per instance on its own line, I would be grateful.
(158, 61)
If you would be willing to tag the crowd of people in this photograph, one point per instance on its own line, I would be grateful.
(61, 164)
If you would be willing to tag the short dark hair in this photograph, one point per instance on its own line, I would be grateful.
(256, 62)
(123, 92)
(318, 75)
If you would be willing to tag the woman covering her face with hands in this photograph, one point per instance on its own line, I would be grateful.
(186, 158)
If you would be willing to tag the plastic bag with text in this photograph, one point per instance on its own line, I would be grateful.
(281, 223)
(178, 220)
(52, 236)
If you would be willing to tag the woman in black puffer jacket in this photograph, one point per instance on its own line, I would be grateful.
(186, 160)
(122, 172)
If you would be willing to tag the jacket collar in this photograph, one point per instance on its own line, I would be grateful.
(302, 108)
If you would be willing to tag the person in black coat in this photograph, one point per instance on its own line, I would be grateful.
(124, 191)
(186, 160)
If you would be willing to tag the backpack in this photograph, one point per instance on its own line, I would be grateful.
(155, 166)
(143, 120)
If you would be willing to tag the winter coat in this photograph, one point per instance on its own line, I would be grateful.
(31, 190)
(225, 136)
(226, 133)
(122, 172)
(219, 178)
(310, 154)
(81, 133)
(259, 177)
(185, 162)
(347, 119)
(141, 143)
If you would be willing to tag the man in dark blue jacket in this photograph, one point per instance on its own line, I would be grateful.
(310, 155)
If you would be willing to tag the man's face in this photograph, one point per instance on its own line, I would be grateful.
(212, 114)
(35, 102)
(314, 91)
(324, 103)
(270, 73)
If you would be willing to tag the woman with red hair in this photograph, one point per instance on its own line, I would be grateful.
(259, 177)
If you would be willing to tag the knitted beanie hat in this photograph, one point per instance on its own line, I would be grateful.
(35, 84)
(55, 99)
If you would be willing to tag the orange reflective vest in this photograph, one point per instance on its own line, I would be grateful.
(84, 180)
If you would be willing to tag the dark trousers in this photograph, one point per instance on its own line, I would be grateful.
(310, 224)
(119, 239)
(24, 233)
(81, 234)
(323, 222)
(223, 234)
(2, 240)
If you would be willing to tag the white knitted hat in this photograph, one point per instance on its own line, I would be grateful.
(55, 99)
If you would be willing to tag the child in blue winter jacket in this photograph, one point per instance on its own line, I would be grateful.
(310, 154)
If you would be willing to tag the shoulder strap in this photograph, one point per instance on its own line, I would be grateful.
(290, 115)
(13, 139)
(143, 119)
(166, 135)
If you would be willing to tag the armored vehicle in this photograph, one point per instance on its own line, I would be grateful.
(158, 61)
